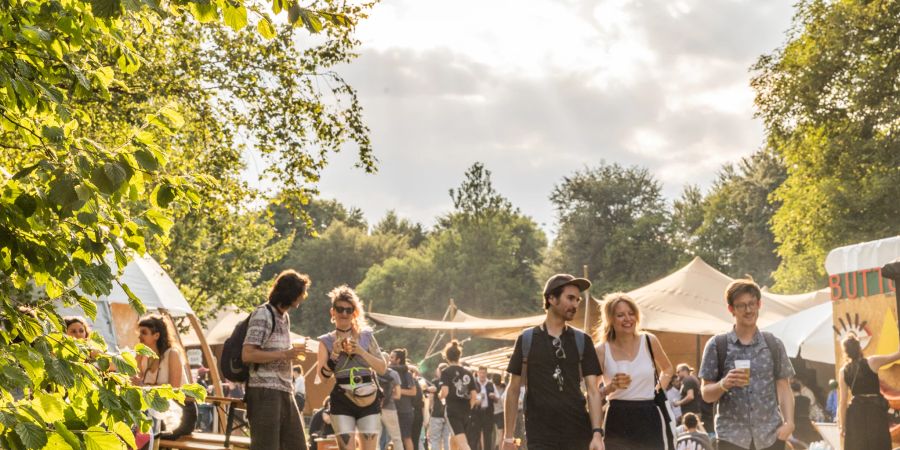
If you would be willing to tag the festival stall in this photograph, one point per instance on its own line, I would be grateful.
(865, 303)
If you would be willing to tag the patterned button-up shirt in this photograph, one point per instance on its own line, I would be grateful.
(748, 414)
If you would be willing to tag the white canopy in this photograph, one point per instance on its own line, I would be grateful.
(808, 333)
(866, 255)
(150, 283)
(220, 328)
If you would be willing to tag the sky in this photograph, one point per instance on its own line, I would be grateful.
(539, 89)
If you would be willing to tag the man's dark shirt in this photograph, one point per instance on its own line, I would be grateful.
(690, 383)
(551, 414)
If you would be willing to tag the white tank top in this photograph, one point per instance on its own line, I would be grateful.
(643, 381)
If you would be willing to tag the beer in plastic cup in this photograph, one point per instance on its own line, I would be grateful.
(744, 366)
(622, 373)
(300, 343)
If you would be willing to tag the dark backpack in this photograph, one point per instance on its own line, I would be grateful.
(231, 364)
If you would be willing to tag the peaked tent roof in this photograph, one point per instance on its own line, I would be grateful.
(689, 300)
(808, 333)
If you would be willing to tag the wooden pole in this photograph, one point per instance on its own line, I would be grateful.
(213, 367)
(588, 304)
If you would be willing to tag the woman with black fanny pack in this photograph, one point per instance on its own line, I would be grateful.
(351, 355)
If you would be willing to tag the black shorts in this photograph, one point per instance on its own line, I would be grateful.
(342, 406)
(406, 423)
(498, 420)
(458, 418)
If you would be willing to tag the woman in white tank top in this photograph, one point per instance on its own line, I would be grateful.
(629, 360)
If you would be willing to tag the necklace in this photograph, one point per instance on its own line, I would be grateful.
(343, 331)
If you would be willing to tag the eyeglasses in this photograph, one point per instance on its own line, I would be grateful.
(343, 309)
(746, 306)
(558, 348)
(558, 376)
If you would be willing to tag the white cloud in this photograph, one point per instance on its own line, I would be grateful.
(539, 89)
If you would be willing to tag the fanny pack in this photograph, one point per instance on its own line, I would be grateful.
(362, 390)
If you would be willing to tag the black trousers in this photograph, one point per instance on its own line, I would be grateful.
(481, 426)
(725, 445)
(418, 420)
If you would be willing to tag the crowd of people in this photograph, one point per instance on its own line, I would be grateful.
(620, 392)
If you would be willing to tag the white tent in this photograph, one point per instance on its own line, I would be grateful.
(866, 255)
(692, 300)
(220, 328)
(150, 283)
(808, 334)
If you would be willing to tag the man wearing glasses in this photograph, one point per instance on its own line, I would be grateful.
(748, 371)
(551, 360)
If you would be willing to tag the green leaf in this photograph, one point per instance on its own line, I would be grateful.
(62, 192)
(53, 134)
(265, 28)
(235, 17)
(143, 350)
(124, 432)
(49, 406)
(133, 300)
(95, 438)
(31, 435)
(55, 441)
(164, 194)
(88, 306)
(204, 11)
(106, 8)
(195, 391)
(27, 204)
(146, 159)
(67, 435)
(310, 21)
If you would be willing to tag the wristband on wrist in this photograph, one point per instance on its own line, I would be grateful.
(599, 430)
(509, 440)
(722, 385)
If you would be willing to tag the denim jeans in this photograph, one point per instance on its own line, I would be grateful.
(438, 434)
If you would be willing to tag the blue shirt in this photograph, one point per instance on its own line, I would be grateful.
(748, 414)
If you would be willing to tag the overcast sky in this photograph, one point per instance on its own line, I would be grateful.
(538, 89)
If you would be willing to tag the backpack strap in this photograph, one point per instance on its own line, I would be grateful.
(772, 343)
(721, 353)
(527, 337)
(580, 343)
(269, 307)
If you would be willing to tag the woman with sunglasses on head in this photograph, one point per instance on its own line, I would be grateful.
(351, 355)
(634, 367)
(459, 392)
(77, 327)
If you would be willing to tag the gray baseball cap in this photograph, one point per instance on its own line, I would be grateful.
(564, 279)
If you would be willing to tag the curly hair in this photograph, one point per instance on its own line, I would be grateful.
(346, 294)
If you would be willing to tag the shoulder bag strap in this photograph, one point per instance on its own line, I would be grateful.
(653, 362)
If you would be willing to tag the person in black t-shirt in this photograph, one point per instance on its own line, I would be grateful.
(458, 390)
(555, 413)
(438, 429)
(690, 390)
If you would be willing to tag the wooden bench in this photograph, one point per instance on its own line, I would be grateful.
(219, 439)
(187, 444)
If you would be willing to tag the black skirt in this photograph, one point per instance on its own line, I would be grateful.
(634, 425)
(867, 425)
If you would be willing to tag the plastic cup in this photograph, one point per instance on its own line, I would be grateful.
(300, 343)
(624, 378)
(744, 366)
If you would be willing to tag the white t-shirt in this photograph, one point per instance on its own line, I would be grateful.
(300, 386)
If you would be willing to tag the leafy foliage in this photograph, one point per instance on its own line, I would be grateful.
(97, 161)
(730, 227)
(829, 99)
(614, 220)
(482, 255)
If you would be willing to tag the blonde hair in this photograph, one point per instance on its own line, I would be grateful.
(610, 301)
(344, 293)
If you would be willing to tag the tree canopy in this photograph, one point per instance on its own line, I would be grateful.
(829, 100)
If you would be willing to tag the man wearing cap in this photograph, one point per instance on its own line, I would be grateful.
(551, 369)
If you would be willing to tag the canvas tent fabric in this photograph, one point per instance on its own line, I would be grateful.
(808, 334)
(502, 329)
(690, 300)
(150, 283)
